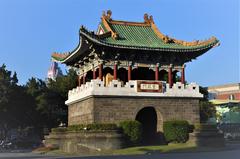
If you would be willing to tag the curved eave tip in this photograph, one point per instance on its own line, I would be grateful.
(217, 43)
(54, 59)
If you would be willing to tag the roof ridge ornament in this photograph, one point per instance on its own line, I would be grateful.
(106, 18)
(168, 39)
(148, 19)
(108, 15)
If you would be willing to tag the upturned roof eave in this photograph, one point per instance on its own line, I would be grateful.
(93, 39)
(103, 43)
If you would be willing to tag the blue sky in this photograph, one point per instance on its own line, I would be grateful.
(30, 30)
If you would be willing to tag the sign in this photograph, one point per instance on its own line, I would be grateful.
(150, 86)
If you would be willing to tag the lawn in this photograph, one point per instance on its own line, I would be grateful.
(178, 147)
(156, 149)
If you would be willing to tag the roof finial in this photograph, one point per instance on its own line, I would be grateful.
(109, 13)
(151, 19)
(145, 17)
(148, 19)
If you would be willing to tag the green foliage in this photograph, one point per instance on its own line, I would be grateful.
(37, 104)
(87, 127)
(132, 130)
(204, 126)
(204, 91)
(10, 94)
(7, 84)
(176, 131)
(64, 83)
(59, 130)
(94, 126)
(50, 98)
(207, 110)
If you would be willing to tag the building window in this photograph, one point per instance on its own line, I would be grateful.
(231, 97)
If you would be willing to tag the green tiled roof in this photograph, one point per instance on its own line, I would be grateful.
(143, 36)
(138, 36)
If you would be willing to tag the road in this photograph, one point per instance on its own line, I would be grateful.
(233, 153)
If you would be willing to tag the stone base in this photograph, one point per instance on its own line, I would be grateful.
(84, 142)
(114, 109)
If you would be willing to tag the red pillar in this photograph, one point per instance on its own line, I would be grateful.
(183, 75)
(170, 81)
(100, 72)
(79, 80)
(84, 79)
(115, 72)
(129, 73)
(94, 73)
(156, 72)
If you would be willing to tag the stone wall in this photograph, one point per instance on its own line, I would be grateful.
(85, 142)
(81, 111)
(110, 109)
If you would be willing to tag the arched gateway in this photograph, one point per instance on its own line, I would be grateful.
(147, 116)
(143, 63)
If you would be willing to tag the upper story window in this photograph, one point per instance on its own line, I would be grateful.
(231, 97)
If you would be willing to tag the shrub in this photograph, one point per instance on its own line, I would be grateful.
(132, 130)
(57, 130)
(101, 126)
(202, 127)
(176, 131)
(207, 110)
(87, 127)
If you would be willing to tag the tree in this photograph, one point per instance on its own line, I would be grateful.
(9, 92)
(58, 94)
(207, 109)
(35, 104)
(50, 98)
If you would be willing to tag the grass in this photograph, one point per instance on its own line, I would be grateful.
(156, 149)
(126, 151)
(43, 150)
(170, 148)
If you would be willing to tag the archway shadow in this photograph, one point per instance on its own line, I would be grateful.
(148, 118)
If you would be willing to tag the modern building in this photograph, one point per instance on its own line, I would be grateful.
(224, 92)
(54, 71)
(226, 99)
(127, 71)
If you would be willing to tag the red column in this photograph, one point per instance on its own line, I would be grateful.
(115, 72)
(156, 72)
(129, 73)
(100, 72)
(183, 75)
(84, 79)
(94, 73)
(170, 82)
(79, 81)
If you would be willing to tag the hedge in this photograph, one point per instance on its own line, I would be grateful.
(203, 126)
(132, 130)
(87, 127)
(176, 131)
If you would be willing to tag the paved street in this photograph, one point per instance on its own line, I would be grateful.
(233, 152)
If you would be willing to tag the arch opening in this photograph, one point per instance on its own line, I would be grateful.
(89, 76)
(163, 75)
(148, 118)
(176, 76)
